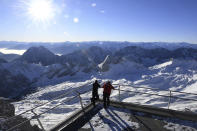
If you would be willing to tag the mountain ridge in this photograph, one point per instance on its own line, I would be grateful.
(69, 47)
(40, 66)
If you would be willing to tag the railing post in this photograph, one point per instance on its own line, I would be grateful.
(119, 93)
(80, 99)
(169, 99)
(38, 120)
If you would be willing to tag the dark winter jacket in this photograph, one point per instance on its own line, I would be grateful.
(95, 87)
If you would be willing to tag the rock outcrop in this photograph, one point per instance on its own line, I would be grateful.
(7, 111)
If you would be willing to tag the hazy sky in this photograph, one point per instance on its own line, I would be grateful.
(89, 20)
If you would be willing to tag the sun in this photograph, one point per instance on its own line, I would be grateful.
(40, 10)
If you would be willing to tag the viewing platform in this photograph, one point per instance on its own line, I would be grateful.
(120, 115)
(127, 116)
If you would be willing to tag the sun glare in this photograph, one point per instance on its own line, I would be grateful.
(40, 10)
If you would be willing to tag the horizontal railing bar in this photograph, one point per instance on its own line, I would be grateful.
(158, 95)
(48, 110)
(156, 89)
(185, 92)
(42, 113)
(44, 103)
(188, 99)
(19, 124)
(143, 93)
(140, 87)
(56, 106)
(38, 106)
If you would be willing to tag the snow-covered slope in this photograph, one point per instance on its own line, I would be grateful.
(176, 75)
(30, 71)
(159, 69)
(41, 67)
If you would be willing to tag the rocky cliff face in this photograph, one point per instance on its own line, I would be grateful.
(12, 85)
(7, 111)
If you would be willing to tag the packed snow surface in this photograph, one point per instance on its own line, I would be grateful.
(120, 119)
(112, 119)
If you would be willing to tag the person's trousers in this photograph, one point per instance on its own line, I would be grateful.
(106, 100)
(95, 96)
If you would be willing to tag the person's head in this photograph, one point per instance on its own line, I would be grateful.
(96, 81)
(108, 82)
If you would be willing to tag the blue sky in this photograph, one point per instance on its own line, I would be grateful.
(92, 20)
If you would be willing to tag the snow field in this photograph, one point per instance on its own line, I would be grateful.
(172, 75)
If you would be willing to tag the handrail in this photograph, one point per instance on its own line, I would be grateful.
(38, 106)
(139, 87)
(157, 94)
(169, 96)
(72, 90)
(33, 117)
(185, 92)
(83, 92)
(187, 99)
(154, 89)
(144, 93)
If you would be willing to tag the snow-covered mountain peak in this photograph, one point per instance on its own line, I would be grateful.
(38, 50)
(39, 55)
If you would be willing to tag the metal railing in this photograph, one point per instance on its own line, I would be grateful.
(78, 95)
(170, 92)
(36, 116)
(156, 89)
(54, 99)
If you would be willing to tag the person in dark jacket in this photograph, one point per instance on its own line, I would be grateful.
(106, 93)
(95, 95)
